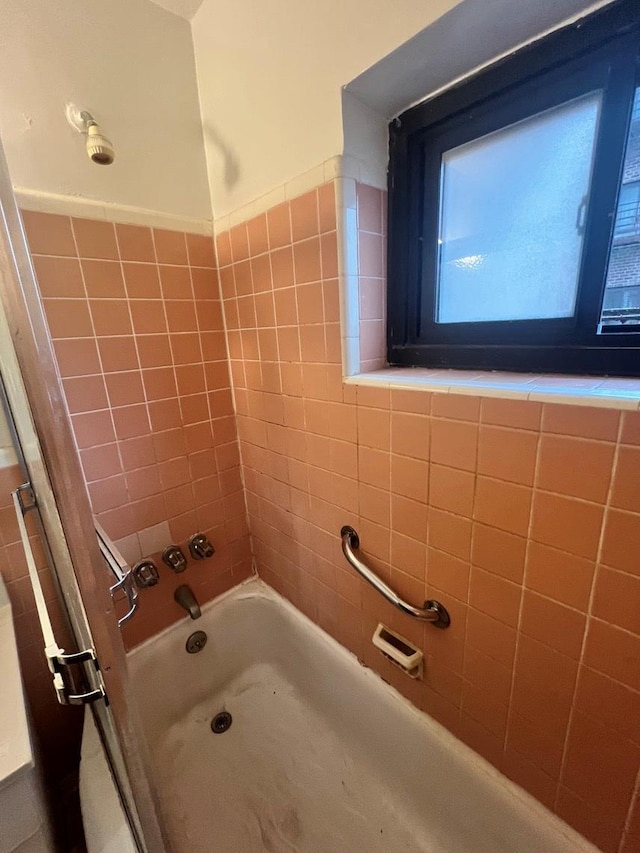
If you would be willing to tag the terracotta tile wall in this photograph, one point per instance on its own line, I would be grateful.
(57, 730)
(136, 322)
(523, 518)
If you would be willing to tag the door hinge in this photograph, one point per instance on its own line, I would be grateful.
(79, 687)
(69, 689)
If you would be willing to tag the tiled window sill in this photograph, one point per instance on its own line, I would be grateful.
(599, 391)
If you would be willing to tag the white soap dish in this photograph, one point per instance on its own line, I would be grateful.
(398, 650)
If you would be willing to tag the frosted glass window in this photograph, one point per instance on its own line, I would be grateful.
(512, 217)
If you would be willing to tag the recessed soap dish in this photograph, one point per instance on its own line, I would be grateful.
(398, 650)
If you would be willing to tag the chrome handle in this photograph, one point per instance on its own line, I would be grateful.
(174, 558)
(432, 611)
(127, 585)
(581, 216)
(146, 574)
(200, 547)
(118, 565)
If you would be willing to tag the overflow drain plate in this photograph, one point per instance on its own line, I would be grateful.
(221, 722)
(196, 642)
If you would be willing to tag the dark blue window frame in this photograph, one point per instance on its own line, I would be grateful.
(600, 52)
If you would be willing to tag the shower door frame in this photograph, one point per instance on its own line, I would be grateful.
(39, 410)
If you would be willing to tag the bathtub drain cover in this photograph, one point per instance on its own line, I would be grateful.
(221, 722)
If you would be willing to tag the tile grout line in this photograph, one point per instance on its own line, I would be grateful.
(633, 803)
(233, 389)
(469, 582)
(99, 355)
(147, 401)
(589, 612)
(518, 633)
(173, 363)
(195, 507)
(135, 344)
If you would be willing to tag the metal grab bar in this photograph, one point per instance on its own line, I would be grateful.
(432, 611)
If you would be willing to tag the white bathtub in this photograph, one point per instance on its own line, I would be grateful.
(322, 756)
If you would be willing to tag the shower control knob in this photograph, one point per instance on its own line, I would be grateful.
(145, 574)
(174, 558)
(200, 547)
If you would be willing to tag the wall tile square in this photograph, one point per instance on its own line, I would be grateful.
(495, 596)
(141, 281)
(617, 599)
(552, 623)
(609, 702)
(68, 318)
(454, 444)
(95, 239)
(581, 421)
(200, 250)
(49, 234)
(135, 243)
(306, 261)
(557, 471)
(522, 414)
(567, 524)
(507, 454)
(77, 357)
(449, 574)
(124, 389)
(118, 354)
(613, 652)
(304, 216)
(590, 745)
(171, 246)
(451, 489)
(626, 491)
(556, 574)
(279, 225)
(326, 207)
(111, 317)
(58, 277)
(503, 505)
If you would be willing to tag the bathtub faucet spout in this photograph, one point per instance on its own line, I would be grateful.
(185, 598)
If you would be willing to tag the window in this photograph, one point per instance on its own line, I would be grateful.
(628, 212)
(514, 211)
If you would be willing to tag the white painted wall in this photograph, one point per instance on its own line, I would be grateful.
(270, 75)
(132, 64)
(184, 8)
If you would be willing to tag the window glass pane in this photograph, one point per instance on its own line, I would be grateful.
(621, 305)
(512, 217)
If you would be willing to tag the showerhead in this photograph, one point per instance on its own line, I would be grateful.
(99, 148)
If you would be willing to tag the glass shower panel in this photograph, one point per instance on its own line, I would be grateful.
(512, 212)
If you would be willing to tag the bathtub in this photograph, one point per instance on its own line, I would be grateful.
(321, 755)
